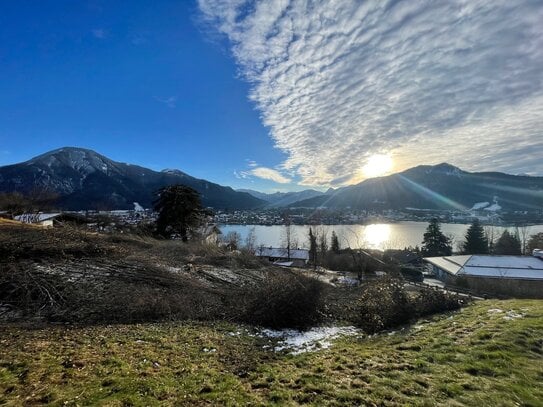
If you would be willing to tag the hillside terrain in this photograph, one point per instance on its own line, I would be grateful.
(440, 186)
(84, 179)
(486, 355)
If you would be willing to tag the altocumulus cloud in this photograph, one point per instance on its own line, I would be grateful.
(336, 81)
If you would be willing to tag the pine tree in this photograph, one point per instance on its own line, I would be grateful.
(334, 243)
(508, 244)
(312, 248)
(476, 241)
(435, 243)
(179, 211)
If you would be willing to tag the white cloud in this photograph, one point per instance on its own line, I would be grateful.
(168, 101)
(99, 33)
(458, 81)
(271, 174)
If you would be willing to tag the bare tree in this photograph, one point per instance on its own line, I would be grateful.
(523, 233)
(250, 240)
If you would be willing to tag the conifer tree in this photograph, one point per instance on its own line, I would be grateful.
(508, 244)
(334, 243)
(435, 243)
(476, 241)
(179, 210)
(312, 248)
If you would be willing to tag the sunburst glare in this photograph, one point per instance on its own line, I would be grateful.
(377, 165)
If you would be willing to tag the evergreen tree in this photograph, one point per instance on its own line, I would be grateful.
(323, 245)
(508, 244)
(435, 243)
(179, 210)
(476, 241)
(334, 243)
(312, 248)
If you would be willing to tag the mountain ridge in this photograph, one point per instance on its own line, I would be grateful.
(441, 186)
(85, 179)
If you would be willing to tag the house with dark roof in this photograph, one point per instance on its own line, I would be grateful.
(284, 257)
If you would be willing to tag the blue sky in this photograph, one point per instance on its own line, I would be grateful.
(276, 94)
(140, 84)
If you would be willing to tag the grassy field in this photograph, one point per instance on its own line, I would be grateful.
(484, 355)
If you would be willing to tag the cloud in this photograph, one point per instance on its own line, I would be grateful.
(99, 33)
(271, 174)
(168, 101)
(458, 81)
(251, 163)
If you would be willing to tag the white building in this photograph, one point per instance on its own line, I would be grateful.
(516, 276)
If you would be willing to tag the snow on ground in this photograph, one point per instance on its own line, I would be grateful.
(296, 342)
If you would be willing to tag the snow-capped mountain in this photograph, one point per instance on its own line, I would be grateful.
(85, 179)
(441, 186)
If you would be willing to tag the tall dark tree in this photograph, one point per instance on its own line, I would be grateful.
(312, 248)
(508, 244)
(475, 241)
(334, 243)
(435, 243)
(179, 210)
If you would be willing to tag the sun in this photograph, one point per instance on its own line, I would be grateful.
(377, 165)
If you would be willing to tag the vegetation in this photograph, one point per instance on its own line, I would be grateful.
(385, 303)
(435, 243)
(535, 242)
(508, 244)
(484, 356)
(334, 243)
(285, 300)
(180, 211)
(475, 242)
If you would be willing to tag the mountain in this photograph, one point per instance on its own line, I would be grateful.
(441, 186)
(85, 179)
(282, 199)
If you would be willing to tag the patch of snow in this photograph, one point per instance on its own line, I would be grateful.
(138, 207)
(495, 311)
(479, 205)
(512, 315)
(296, 342)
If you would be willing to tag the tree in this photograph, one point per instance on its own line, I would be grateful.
(232, 240)
(179, 210)
(508, 244)
(435, 243)
(323, 245)
(475, 240)
(535, 242)
(334, 242)
(312, 248)
(288, 234)
(250, 240)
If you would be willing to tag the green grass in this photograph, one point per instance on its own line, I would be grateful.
(471, 357)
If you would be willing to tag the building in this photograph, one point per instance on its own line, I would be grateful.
(50, 219)
(508, 276)
(284, 257)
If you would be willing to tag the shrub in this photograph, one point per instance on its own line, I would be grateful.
(384, 303)
(433, 301)
(284, 300)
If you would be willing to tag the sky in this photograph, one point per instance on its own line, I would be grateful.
(276, 94)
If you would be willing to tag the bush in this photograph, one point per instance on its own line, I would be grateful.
(284, 300)
(434, 301)
(385, 303)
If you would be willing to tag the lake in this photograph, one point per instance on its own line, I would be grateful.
(375, 236)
